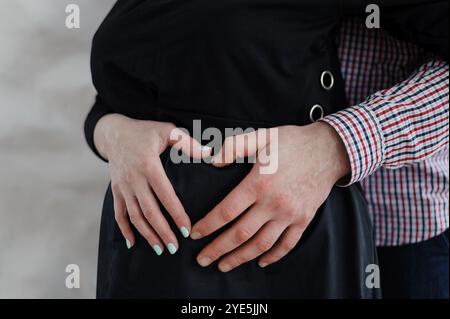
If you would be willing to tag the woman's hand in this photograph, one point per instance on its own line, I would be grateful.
(138, 179)
(273, 209)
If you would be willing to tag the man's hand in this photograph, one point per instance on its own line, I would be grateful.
(271, 211)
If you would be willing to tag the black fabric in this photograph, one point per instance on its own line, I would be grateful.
(416, 271)
(95, 114)
(329, 262)
(233, 63)
(423, 22)
(230, 63)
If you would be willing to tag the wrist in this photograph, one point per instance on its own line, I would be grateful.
(106, 133)
(339, 164)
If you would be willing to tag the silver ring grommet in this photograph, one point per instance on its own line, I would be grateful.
(317, 113)
(327, 80)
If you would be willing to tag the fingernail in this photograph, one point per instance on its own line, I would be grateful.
(128, 243)
(216, 161)
(263, 265)
(205, 261)
(172, 248)
(184, 232)
(196, 236)
(205, 148)
(225, 268)
(158, 250)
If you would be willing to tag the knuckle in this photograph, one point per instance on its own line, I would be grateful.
(177, 212)
(120, 218)
(236, 261)
(263, 245)
(227, 213)
(288, 215)
(242, 235)
(288, 245)
(134, 218)
(130, 176)
(118, 208)
(263, 184)
(228, 150)
(148, 213)
(166, 235)
(119, 215)
(303, 218)
(115, 188)
(133, 208)
(214, 253)
(303, 221)
(170, 126)
(148, 166)
(148, 236)
(281, 201)
(229, 142)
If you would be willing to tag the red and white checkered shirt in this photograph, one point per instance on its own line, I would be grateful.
(398, 138)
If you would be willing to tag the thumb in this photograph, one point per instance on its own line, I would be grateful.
(240, 146)
(181, 140)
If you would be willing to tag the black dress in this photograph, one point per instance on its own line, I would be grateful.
(230, 63)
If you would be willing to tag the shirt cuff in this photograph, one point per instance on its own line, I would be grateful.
(361, 134)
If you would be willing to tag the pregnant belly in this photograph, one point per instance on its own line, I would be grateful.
(201, 186)
(328, 262)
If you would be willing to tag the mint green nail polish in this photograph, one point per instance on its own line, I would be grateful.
(157, 250)
(172, 249)
(205, 148)
(184, 232)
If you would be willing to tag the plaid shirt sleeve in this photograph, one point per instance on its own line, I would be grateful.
(398, 126)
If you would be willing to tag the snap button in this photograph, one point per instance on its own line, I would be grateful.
(327, 80)
(316, 113)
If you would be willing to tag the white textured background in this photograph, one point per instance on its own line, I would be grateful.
(51, 186)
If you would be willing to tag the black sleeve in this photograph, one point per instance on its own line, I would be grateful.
(98, 110)
(122, 67)
(422, 22)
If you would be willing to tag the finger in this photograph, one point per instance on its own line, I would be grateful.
(181, 140)
(150, 210)
(240, 146)
(287, 242)
(120, 215)
(258, 245)
(244, 229)
(236, 202)
(166, 194)
(138, 220)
